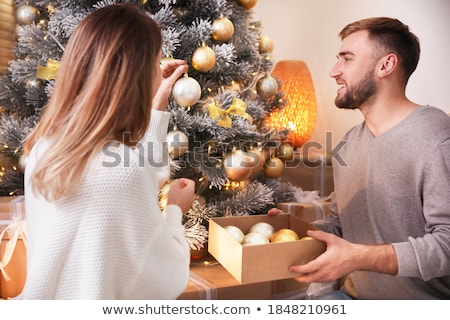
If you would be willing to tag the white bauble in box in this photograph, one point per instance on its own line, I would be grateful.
(235, 232)
(253, 238)
(264, 228)
(186, 91)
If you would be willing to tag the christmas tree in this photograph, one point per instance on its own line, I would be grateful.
(218, 136)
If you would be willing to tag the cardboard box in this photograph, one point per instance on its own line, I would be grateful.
(266, 262)
(289, 289)
(212, 282)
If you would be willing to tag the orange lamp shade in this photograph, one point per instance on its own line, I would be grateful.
(299, 113)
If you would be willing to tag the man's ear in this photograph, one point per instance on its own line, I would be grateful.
(387, 65)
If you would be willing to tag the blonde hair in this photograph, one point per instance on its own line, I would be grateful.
(103, 93)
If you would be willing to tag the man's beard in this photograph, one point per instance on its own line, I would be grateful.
(358, 94)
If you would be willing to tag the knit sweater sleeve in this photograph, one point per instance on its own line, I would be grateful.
(418, 256)
(154, 145)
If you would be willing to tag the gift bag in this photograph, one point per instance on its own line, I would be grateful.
(13, 236)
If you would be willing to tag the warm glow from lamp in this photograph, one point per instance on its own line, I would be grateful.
(299, 113)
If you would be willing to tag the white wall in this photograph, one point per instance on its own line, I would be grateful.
(308, 30)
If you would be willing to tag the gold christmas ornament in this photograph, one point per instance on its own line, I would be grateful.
(7, 33)
(177, 142)
(299, 113)
(186, 91)
(284, 235)
(273, 168)
(285, 151)
(203, 58)
(238, 165)
(247, 4)
(257, 159)
(222, 29)
(266, 87)
(265, 44)
(27, 14)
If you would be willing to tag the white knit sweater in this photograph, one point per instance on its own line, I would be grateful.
(109, 240)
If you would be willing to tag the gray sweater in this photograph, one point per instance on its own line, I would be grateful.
(395, 188)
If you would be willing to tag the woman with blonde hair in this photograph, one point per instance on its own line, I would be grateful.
(96, 160)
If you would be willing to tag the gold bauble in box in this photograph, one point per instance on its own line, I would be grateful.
(265, 44)
(274, 167)
(186, 91)
(266, 87)
(203, 59)
(177, 142)
(222, 29)
(238, 165)
(284, 235)
(247, 4)
(285, 151)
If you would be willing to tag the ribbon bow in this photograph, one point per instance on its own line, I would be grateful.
(17, 228)
(236, 108)
(50, 71)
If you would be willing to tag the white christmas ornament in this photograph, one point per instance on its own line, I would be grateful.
(253, 238)
(235, 233)
(263, 228)
(186, 91)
